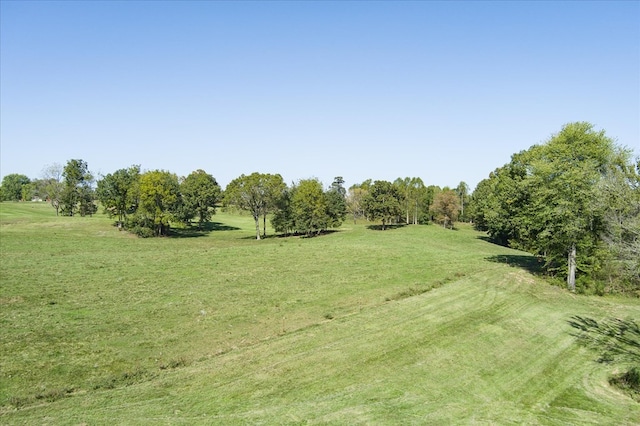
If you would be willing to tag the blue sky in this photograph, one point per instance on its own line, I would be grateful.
(446, 91)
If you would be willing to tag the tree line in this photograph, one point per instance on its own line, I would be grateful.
(148, 203)
(574, 201)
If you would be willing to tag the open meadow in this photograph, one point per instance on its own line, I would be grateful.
(412, 325)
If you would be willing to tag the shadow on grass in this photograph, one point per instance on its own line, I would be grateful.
(529, 263)
(490, 240)
(612, 338)
(193, 231)
(293, 234)
(386, 227)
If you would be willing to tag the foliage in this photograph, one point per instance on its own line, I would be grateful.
(619, 197)
(414, 198)
(283, 220)
(77, 195)
(549, 201)
(462, 191)
(12, 186)
(307, 209)
(159, 199)
(354, 201)
(383, 202)
(257, 193)
(119, 193)
(274, 189)
(446, 208)
(200, 193)
(336, 208)
(52, 185)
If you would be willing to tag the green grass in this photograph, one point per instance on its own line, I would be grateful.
(415, 325)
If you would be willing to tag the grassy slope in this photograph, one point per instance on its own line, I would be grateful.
(221, 328)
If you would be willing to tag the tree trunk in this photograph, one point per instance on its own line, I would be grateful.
(571, 277)
(264, 225)
(256, 219)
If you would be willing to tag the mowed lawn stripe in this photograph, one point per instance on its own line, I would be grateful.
(482, 349)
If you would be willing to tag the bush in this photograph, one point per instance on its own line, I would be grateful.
(140, 226)
(589, 286)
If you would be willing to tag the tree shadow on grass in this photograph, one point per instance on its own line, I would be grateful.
(490, 240)
(293, 234)
(193, 231)
(386, 227)
(529, 263)
(612, 337)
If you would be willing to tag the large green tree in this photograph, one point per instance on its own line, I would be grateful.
(159, 200)
(309, 206)
(383, 202)
(336, 203)
(77, 193)
(564, 179)
(547, 200)
(307, 209)
(200, 193)
(12, 186)
(256, 193)
(119, 192)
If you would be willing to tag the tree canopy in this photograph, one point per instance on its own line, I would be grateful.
(159, 199)
(77, 195)
(12, 186)
(119, 192)
(446, 208)
(200, 193)
(383, 202)
(256, 193)
(549, 200)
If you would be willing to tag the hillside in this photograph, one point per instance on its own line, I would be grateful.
(411, 325)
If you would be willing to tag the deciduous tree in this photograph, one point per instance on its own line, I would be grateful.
(200, 193)
(354, 201)
(446, 208)
(77, 193)
(309, 206)
(462, 190)
(119, 192)
(382, 202)
(12, 186)
(546, 200)
(257, 193)
(52, 185)
(159, 197)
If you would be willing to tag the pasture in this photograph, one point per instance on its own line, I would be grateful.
(413, 325)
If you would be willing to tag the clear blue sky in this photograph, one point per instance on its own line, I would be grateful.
(446, 91)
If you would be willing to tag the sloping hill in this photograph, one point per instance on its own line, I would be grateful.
(416, 325)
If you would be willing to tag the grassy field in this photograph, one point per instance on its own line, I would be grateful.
(414, 325)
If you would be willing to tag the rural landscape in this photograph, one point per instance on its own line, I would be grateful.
(143, 297)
